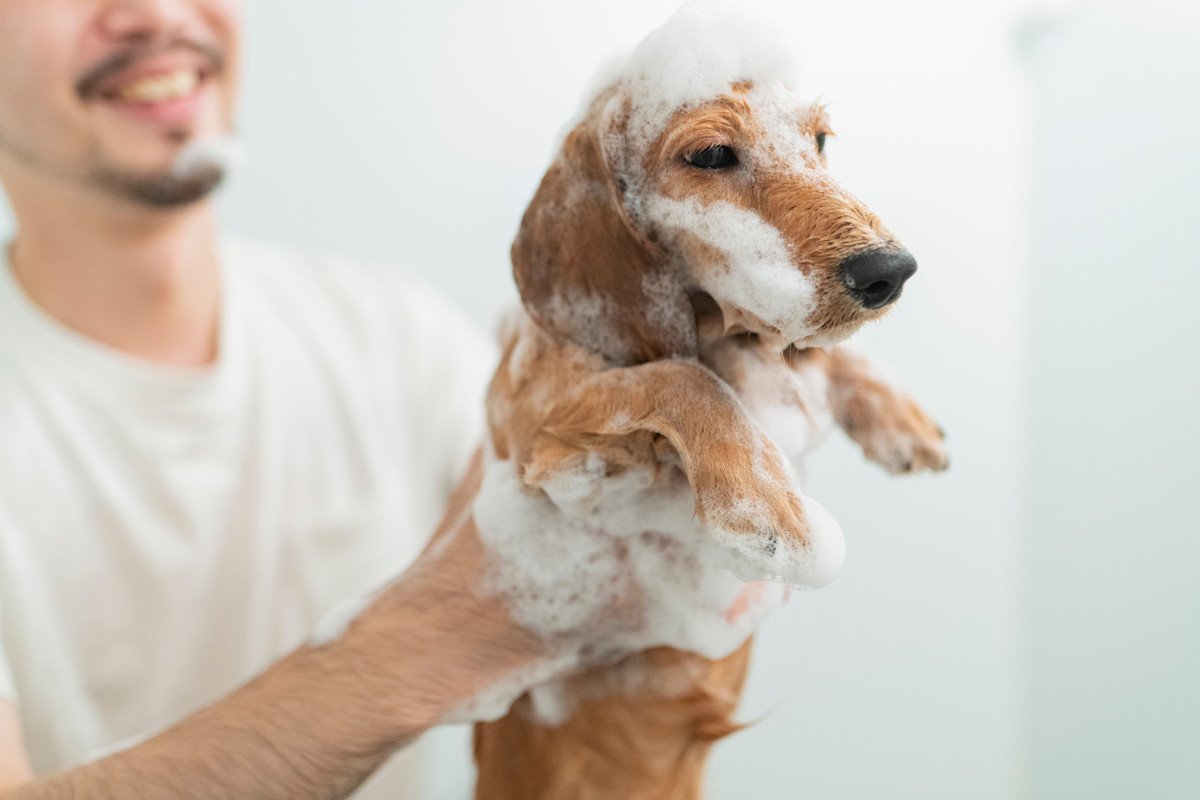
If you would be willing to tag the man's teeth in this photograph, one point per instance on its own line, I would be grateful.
(161, 87)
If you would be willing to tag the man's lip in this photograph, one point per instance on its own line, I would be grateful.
(128, 66)
(178, 112)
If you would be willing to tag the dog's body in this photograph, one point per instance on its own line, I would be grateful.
(642, 728)
(686, 268)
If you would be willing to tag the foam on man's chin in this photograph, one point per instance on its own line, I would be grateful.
(220, 153)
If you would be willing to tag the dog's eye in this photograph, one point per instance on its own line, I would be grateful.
(715, 157)
(821, 142)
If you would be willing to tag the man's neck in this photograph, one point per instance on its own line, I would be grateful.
(146, 284)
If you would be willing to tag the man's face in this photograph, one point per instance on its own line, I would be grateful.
(108, 93)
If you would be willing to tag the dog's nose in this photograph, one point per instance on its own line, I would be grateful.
(877, 276)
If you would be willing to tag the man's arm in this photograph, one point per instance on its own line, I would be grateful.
(300, 730)
(321, 720)
(14, 763)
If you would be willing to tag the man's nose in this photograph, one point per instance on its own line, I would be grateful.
(139, 19)
(876, 277)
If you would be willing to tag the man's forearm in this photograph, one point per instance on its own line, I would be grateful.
(320, 721)
(313, 726)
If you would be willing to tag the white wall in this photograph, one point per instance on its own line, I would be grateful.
(1113, 521)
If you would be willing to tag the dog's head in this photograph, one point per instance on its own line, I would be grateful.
(696, 185)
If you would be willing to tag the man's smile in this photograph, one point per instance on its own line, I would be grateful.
(159, 88)
(166, 87)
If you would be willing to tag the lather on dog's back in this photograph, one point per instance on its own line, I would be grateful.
(687, 268)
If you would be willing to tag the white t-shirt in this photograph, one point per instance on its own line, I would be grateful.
(166, 533)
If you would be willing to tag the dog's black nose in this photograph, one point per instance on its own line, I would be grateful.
(877, 276)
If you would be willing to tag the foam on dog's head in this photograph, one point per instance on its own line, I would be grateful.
(697, 55)
(772, 282)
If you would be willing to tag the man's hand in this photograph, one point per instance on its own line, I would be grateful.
(453, 640)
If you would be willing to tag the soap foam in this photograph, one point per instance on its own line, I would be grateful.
(566, 572)
(790, 403)
(605, 566)
(494, 702)
(755, 271)
(593, 317)
(807, 566)
(219, 154)
(698, 54)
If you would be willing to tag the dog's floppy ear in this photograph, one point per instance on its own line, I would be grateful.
(586, 273)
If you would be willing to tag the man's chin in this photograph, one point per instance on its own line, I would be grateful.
(193, 172)
(168, 189)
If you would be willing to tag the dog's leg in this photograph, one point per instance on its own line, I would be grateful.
(891, 428)
(638, 730)
(742, 483)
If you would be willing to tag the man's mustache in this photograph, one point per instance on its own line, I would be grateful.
(89, 83)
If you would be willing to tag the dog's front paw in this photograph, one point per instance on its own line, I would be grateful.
(914, 445)
(763, 528)
(895, 432)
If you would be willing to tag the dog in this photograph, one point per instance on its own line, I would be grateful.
(687, 269)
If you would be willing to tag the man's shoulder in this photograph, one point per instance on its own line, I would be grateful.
(364, 295)
(292, 273)
(376, 310)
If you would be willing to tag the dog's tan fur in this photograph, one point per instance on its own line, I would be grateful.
(616, 744)
(655, 395)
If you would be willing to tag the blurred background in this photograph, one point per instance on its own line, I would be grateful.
(1025, 626)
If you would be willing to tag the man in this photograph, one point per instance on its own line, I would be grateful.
(204, 447)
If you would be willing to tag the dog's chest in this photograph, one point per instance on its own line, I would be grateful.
(789, 401)
(594, 537)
